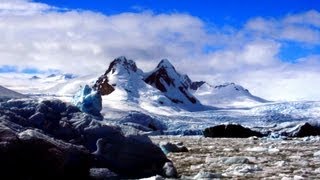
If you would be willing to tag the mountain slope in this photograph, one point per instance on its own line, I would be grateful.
(226, 95)
(172, 84)
(123, 88)
(6, 93)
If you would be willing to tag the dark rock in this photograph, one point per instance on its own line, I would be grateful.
(102, 84)
(196, 85)
(165, 76)
(103, 174)
(32, 155)
(168, 147)
(303, 130)
(133, 156)
(231, 131)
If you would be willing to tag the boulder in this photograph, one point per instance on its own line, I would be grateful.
(303, 130)
(33, 155)
(168, 147)
(133, 157)
(230, 131)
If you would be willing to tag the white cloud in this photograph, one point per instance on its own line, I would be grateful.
(302, 27)
(40, 36)
(22, 7)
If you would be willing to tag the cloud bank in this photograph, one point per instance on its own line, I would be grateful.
(39, 36)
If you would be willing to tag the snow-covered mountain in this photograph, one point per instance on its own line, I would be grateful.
(225, 95)
(123, 86)
(6, 93)
(172, 84)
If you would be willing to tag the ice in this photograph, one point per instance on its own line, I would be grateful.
(88, 101)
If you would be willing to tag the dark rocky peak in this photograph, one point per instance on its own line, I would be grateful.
(163, 76)
(188, 83)
(196, 85)
(165, 63)
(121, 64)
(35, 77)
(171, 83)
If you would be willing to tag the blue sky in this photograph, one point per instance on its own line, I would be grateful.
(220, 13)
(228, 12)
(249, 42)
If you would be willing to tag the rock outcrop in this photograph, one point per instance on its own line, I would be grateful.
(33, 155)
(54, 139)
(303, 130)
(171, 83)
(118, 66)
(229, 131)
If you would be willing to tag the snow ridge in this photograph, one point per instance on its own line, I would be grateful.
(6, 93)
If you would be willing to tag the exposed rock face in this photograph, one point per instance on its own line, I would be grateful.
(41, 140)
(103, 86)
(32, 155)
(303, 130)
(230, 130)
(134, 156)
(195, 85)
(116, 66)
(171, 83)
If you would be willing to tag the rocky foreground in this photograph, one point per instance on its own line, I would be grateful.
(246, 158)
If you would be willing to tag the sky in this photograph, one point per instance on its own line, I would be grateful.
(271, 47)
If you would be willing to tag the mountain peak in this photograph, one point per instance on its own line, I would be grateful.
(119, 67)
(121, 63)
(165, 63)
(231, 85)
(171, 83)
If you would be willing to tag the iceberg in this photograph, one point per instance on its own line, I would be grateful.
(88, 101)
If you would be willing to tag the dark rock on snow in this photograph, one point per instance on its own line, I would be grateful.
(230, 130)
(166, 78)
(102, 84)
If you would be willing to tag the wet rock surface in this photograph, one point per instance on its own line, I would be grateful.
(246, 158)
